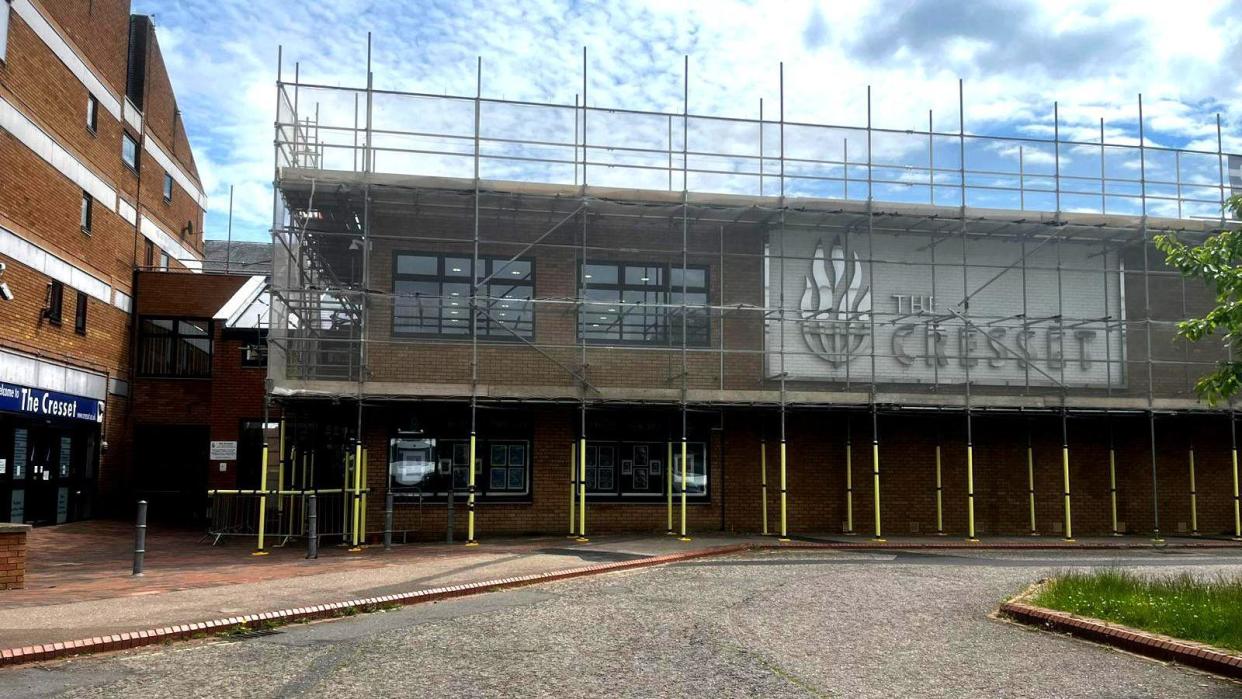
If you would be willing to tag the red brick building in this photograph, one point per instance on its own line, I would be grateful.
(97, 180)
(900, 331)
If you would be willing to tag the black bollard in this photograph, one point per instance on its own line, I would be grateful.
(140, 537)
(312, 527)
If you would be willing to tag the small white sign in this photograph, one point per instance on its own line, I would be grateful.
(224, 451)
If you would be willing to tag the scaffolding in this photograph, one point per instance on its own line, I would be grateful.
(488, 251)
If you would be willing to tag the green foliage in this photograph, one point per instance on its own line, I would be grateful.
(1208, 610)
(1218, 262)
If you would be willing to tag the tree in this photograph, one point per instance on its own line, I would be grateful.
(1218, 262)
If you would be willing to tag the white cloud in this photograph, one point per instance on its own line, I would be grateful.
(1016, 58)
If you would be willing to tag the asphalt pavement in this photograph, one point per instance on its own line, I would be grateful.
(773, 624)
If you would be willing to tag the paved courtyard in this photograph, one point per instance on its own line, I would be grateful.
(780, 623)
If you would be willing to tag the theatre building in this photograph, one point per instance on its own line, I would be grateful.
(97, 179)
(591, 320)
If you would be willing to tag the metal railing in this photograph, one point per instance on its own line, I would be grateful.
(235, 513)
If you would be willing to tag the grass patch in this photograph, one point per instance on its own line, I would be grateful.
(1187, 606)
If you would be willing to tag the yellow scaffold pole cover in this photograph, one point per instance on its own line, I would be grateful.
(573, 486)
(260, 551)
(875, 487)
(970, 491)
(357, 516)
(362, 530)
(684, 483)
(669, 488)
(470, 487)
(1194, 497)
(784, 496)
(763, 483)
(1030, 487)
(582, 537)
(939, 495)
(280, 474)
(1065, 470)
(849, 487)
(1112, 487)
(1237, 500)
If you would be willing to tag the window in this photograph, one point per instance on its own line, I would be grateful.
(433, 296)
(163, 260)
(87, 204)
(148, 254)
(79, 314)
(92, 112)
(55, 302)
(168, 187)
(430, 467)
(129, 151)
(641, 469)
(640, 304)
(174, 348)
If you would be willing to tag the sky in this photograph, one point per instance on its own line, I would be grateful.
(1015, 59)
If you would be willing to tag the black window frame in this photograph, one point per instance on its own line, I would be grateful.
(173, 364)
(127, 139)
(79, 313)
(92, 113)
(87, 213)
(55, 302)
(664, 309)
(655, 452)
(448, 463)
(169, 188)
(491, 329)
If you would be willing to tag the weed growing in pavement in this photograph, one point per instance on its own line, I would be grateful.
(1188, 606)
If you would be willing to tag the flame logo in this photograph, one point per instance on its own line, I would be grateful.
(836, 306)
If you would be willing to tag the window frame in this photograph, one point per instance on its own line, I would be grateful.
(448, 449)
(148, 252)
(619, 494)
(169, 188)
(87, 213)
(92, 112)
(488, 330)
(177, 369)
(79, 313)
(53, 309)
(5, 10)
(127, 139)
(667, 289)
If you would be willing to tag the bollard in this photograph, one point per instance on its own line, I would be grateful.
(312, 527)
(388, 521)
(140, 537)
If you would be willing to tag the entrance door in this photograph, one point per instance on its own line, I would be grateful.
(170, 471)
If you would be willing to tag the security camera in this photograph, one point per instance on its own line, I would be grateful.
(5, 292)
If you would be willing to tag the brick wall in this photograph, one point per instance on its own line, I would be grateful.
(13, 557)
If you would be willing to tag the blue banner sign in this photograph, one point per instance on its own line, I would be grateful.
(36, 401)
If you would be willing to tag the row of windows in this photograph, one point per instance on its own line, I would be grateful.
(625, 303)
(54, 305)
(176, 348)
(625, 470)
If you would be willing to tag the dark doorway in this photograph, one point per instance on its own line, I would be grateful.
(170, 472)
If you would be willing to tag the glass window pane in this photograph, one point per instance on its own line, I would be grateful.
(195, 328)
(517, 270)
(457, 267)
(694, 278)
(644, 275)
(600, 274)
(417, 264)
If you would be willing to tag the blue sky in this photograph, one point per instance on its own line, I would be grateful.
(1016, 58)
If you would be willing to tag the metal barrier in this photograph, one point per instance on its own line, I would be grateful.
(235, 513)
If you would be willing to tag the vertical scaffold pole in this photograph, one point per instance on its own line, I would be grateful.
(763, 483)
(784, 490)
(784, 533)
(356, 497)
(970, 479)
(582, 537)
(1194, 498)
(280, 476)
(474, 313)
(363, 479)
(582, 285)
(1030, 479)
(849, 476)
(875, 472)
(939, 484)
(1237, 500)
(1065, 474)
(260, 550)
(1112, 476)
(684, 486)
(573, 487)
(685, 241)
(671, 476)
